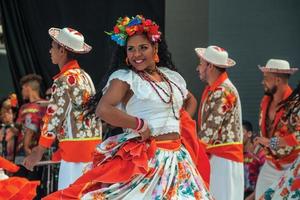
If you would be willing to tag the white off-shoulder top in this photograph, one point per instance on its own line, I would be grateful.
(146, 104)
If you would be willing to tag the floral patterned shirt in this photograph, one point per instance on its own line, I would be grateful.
(287, 128)
(65, 116)
(219, 116)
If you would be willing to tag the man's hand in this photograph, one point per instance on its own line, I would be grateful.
(36, 155)
(262, 141)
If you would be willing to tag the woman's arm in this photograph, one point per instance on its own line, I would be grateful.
(190, 104)
(117, 92)
(106, 110)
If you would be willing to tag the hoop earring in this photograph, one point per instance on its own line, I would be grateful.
(156, 58)
(127, 61)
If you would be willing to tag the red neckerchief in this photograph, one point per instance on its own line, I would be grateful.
(73, 64)
(264, 106)
(208, 89)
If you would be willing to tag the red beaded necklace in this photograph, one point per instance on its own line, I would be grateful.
(157, 87)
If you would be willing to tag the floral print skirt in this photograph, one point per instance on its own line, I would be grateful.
(288, 187)
(171, 173)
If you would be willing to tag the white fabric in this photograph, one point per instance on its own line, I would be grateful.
(69, 172)
(268, 175)
(3, 176)
(226, 179)
(158, 115)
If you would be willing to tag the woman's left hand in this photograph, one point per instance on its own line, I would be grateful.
(145, 135)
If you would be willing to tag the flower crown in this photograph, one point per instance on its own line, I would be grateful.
(127, 27)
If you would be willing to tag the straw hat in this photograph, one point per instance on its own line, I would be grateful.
(70, 39)
(216, 56)
(278, 66)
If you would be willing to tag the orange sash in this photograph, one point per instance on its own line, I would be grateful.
(285, 160)
(76, 150)
(230, 151)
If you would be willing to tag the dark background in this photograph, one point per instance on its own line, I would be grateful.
(26, 24)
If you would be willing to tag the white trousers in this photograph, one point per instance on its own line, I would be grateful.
(226, 179)
(267, 176)
(69, 172)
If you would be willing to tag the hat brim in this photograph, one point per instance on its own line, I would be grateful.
(230, 62)
(278, 71)
(53, 32)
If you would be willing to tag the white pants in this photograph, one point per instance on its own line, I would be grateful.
(226, 179)
(267, 176)
(69, 172)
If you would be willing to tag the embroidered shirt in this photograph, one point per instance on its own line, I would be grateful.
(283, 127)
(66, 117)
(219, 116)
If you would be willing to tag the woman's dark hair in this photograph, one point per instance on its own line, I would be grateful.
(118, 61)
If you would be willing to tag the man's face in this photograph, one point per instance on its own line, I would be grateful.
(55, 52)
(270, 83)
(202, 69)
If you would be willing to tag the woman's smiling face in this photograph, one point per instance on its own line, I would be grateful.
(140, 52)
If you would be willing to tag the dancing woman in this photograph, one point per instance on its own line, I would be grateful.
(156, 157)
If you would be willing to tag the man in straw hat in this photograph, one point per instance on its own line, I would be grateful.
(279, 137)
(220, 124)
(66, 118)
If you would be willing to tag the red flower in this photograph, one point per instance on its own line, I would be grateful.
(284, 192)
(51, 109)
(71, 80)
(53, 88)
(88, 122)
(148, 22)
(228, 101)
(116, 29)
(153, 30)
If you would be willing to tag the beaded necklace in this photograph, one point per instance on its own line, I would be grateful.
(158, 88)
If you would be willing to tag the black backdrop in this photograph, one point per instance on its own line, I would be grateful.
(26, 23)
